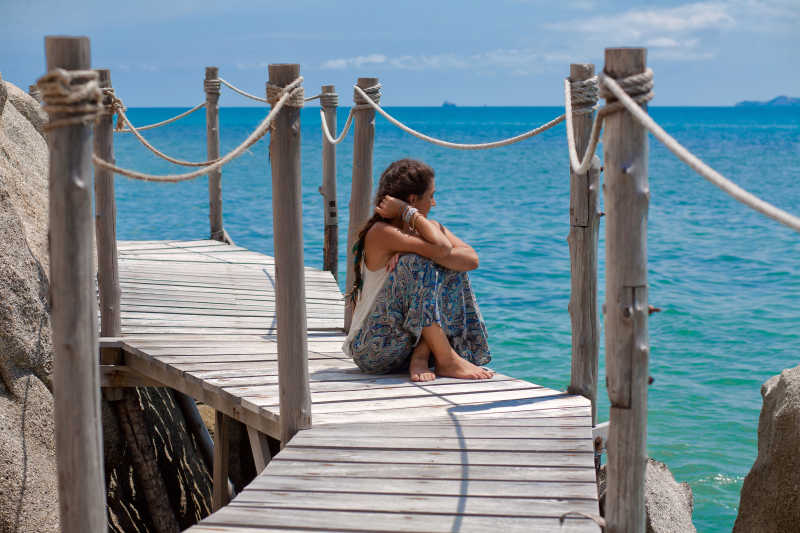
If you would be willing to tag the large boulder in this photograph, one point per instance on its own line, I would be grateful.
(770, 499)
(668, 504)
(155, 474)
(28, 107)
(28, 493)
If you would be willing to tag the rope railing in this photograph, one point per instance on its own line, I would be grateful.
(288, 96)
(324, 123)
(164, 122)
(697, 164)
(235, 89)
(639, 86)
(458, 146)
(119, 107)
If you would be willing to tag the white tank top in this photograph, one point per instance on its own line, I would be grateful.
(373, 283)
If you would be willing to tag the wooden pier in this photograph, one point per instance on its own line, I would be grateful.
(385, 454)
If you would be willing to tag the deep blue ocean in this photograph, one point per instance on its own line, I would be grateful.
(726, 278)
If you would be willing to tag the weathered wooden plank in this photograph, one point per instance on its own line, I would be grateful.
(247, 519)
(474, 444)
(433, 471)
(443, 429)
(410, 503)
(528, 395)
(377, 484)
(465, 458)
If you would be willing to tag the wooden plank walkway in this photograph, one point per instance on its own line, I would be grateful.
(385, 454)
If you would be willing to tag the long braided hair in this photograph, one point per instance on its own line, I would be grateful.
(401, 179)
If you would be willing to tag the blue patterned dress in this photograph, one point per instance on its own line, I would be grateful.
(416, 294)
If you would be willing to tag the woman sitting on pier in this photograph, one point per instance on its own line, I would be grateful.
(412, 293)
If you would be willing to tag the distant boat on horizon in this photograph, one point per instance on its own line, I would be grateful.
(448, 104)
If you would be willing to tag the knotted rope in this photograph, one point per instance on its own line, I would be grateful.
(118, 106)
(290, 91)
(296, 96)
(74, 96)
(329, 100)
(212, 86)
(367, 97)
(639, 86)
(747, 198)
(457, 146)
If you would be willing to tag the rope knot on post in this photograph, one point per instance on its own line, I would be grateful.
(374, 94)
(328, 100)
(109, 102)
(296, 94)
(584, 95)
(212, 86)
(74, 96)
(639, 87)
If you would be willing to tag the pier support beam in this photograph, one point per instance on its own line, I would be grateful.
(211, 85)
(76, 377)
(584, 221)
(626, 200)
(361, 192)
(328, 102)
(290, 299)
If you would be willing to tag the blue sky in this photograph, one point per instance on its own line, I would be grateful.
(501, 52)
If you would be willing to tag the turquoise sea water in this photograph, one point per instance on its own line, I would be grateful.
(726, 278)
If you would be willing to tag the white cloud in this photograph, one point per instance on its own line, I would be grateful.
(516, 61)
(354, 62)
(638, 23)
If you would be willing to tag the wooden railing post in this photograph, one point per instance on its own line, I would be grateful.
(212, 89)
(330, 250)
(76, 379)
(626, 199)
(287, 216)
(105, 220)
(584, 220)
(361, 188)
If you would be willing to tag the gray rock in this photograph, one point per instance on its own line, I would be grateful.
(28, 490)
(27, 106)
(668, 504)
(3, 96)
(770, 498)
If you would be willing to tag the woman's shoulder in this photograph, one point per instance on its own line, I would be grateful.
(380, 228)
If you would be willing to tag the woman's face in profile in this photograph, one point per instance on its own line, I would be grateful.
(426, 201)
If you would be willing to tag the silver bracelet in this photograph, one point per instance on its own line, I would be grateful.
(408, 214)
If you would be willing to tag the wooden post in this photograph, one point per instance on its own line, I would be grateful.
(105, 220)
(626, 197)
(259, 444)
(222, 446)
(76, 377)
(330, 250)
(361, 191)
(584, 220)
(212, 142)
(290, 293)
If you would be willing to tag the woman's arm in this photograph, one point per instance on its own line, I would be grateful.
(462, 257)
(390, 208)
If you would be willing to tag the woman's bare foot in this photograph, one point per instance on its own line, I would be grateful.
(418, 368)
(458, 367)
